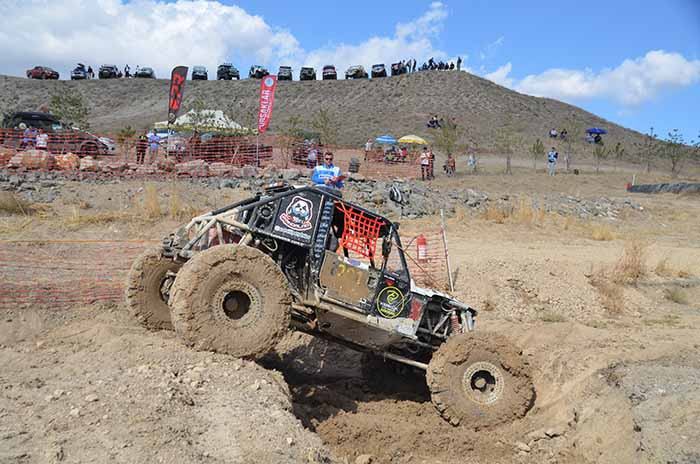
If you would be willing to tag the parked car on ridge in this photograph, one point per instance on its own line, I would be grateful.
(378, 70)
(285, 73)
(329, 73)
(79, 72)
(145, 72)
(356, 72)
(257, 72)
(199, 73)
(307, 73)
(227, 71)
(108, 71)
(42, 72)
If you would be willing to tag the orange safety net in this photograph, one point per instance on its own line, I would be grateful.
(360, 231)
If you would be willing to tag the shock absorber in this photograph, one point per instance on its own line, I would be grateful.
(454, 322)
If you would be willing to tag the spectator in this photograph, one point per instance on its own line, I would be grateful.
(552, 157)
(413, 65)
(563, 134)
(403, 154)
(153, 144)
(141, 146)
(450, 165)
(424, 164)
(29, 139)
(471, 162)
(452, 66)
(589, 138)
(312, 157)
(597, 138)
(553, 133)
(90, 72)
(327, 174)
(127, 70)
(459, 63)
(431, 157)
(368, 148)
(42, 140)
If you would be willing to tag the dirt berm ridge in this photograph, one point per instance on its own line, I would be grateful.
(397, 105)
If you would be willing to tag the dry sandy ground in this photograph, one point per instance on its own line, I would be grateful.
(614, 384)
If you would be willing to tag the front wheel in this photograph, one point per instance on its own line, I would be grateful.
(231, 299)
(479, 381)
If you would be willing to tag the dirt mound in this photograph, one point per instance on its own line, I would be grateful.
(397, 105)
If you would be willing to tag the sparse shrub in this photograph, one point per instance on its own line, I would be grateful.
(602, 232)
(549, 316)
(495, 213)
(677, 295)
(151, 203)
(68, 105)
(610, 290)
(662, 268)
(630, 267)
(13, 204)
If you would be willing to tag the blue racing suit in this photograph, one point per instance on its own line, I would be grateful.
(323, 172)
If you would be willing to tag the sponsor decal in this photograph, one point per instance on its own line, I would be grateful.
(390, 302)
(267, 100)
(298, 214)
(177, 88)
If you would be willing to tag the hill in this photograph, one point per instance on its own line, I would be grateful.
(364, 108)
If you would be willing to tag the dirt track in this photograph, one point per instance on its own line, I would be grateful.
(86, 384)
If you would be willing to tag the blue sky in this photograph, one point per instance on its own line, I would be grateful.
(636, 63)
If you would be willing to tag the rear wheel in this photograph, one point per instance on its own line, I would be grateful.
(146, 289)
(479, 381)
(231, 299)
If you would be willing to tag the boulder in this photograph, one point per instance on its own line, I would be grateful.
(5, 156)
(166, 164)
(15, 161)
(290, 174)
(68, 162)
(114, 166)
(249, 171)
(220, 169)
(35, 159)
(195, 168)
(88, 163)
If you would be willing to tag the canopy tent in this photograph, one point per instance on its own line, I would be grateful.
(412, 139)
(204, 121)
(386, 139)
(596, 130)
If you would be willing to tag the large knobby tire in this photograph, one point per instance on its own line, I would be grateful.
(144, 297)
(231, 299)
(479, 381)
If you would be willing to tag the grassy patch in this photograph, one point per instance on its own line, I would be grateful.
(677, 295)
(631, 265)
(12, 204)
(602, 232)
(549, 316)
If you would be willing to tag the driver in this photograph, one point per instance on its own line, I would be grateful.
(327, 174)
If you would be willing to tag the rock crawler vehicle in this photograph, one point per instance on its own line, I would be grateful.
(234, 280)
(307, 74)
(356, 72)
(257, 71)
(227, 71)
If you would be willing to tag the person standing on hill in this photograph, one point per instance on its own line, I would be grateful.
(368, 148)
(459, 63)
(552, 157)
(424, 164)
(431, 165)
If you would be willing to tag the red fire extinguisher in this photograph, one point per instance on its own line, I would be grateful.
(422, 248)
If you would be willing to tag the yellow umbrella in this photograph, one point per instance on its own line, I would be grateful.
(412, 139)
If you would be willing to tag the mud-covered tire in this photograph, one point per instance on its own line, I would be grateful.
(143, 289)
(479, 381)
(231, 299)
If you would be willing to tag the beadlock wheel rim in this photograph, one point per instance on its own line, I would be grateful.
(483, 383)
(237, 304)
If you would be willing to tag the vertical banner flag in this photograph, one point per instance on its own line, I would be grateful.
(177, 88)
(267, 99)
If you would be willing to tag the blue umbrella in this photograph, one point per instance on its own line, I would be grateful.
(596, 130)
(385, 139)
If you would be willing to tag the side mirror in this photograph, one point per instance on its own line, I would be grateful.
(386, 247)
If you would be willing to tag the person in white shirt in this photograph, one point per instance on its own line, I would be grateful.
(42, 140)
(368, 148)
(424, 164)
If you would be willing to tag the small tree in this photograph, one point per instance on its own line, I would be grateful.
(288, 137)
(537, 151)
(447, 137)
(68, 105)
(125, 138)
(618, 153)
(599, 153)
(675, 150)
(326, 126)
(648, 149)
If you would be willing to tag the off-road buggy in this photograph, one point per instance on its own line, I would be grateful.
(236, 279)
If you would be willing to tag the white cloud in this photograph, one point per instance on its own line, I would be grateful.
(633, 82)
(500, 75)
(161, 34)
